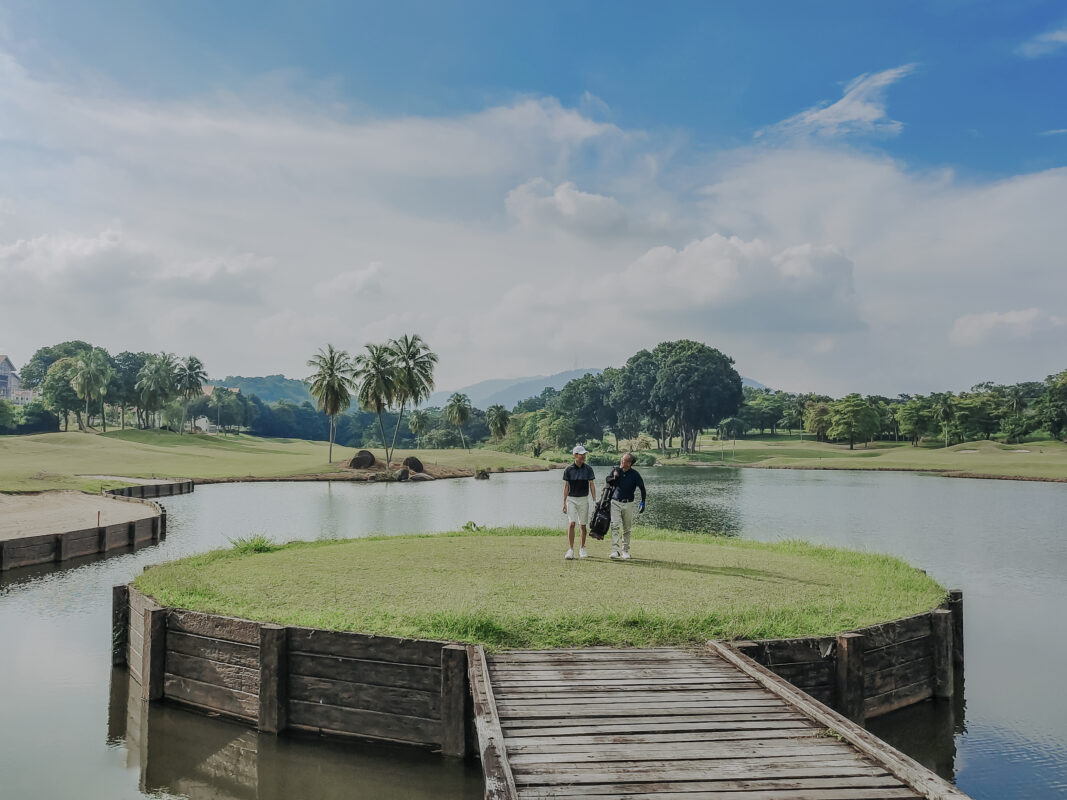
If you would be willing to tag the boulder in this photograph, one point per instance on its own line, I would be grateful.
(364, 459)
(482, 475)
(413, 464)
(421, 476)
(402, 474)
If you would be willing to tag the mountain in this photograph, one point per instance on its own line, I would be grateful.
(752, 384)
(269, 389)
(508, 392)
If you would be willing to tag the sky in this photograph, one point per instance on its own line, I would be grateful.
(840, 196)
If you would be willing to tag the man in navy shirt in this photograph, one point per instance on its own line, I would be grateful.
(577, 492)
(625, 482)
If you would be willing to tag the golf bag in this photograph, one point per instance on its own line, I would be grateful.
(600, 522)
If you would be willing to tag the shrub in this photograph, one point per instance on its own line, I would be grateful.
(256, 543)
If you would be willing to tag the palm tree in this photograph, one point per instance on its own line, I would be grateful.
(92, 373)
(375, 375)
(217, 400)
(944, 411)
(497, 418)
(414, 363)
(155, 381)
(332, 384)
(418, 422)
(458, 411)
(189, 381)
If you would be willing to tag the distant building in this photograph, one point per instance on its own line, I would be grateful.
(9, 379)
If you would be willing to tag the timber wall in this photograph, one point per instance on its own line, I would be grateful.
(150, 490)
(280, 678)
(872, 671)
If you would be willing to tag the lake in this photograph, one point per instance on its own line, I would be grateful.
(1002, 542)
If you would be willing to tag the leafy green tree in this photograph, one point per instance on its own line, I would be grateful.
(189, 377)
(458, 411)
(852, 418)
(7, 416)
(92, 373)
(376, 379)
(817, 419)
(34, 371)
(332, 385)
(58, 393)
(414, 363)
(1052, 406)
(34, 417)
(543, 400)
(915, 419)
(498, 418)
(123, 388)
(584, 402)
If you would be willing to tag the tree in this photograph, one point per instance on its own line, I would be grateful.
(34, 371)
(458, 411)
(189, 376)
(92, 373)
(852, 418)
(123, 388)
(156, 383)
(34, 417)
(58, 393)
(414, 365)
(376, 389)
(914, 418)
(7, 416)
(817, 420)
(331, 385)
(943, 412)
(418, 423)
(498, 418)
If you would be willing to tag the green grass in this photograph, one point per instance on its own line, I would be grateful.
(510, 587)
(55, 460)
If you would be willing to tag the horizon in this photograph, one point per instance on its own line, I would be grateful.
(846, 198)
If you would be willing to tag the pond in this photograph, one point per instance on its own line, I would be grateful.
(1002, 542)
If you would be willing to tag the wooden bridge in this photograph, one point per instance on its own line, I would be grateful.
(669, 723)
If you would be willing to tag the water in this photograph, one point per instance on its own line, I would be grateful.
(1001, 542)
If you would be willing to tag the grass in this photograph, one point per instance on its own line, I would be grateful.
(510, 587)
(56, 460)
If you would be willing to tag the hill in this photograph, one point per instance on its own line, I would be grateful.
(269, 389)
(509, 391)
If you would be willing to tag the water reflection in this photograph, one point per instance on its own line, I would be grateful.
(179, 753)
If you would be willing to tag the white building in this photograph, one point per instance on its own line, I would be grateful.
(10, 385)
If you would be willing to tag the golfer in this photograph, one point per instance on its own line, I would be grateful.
(626, 481)
(577, 490)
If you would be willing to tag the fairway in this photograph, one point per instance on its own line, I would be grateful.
(63, 460)
(510, 587)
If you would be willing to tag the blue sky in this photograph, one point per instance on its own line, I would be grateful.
(825, 175)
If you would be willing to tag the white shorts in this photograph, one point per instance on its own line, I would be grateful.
(578, 509)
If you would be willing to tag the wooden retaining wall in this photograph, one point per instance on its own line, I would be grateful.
(147, 491)
(51, 547)
(278, 678)
(872, 671)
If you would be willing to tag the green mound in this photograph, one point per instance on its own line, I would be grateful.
(510, 587)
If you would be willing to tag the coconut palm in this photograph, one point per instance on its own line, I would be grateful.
(944, 412)
(497, 417)
(414, 363)
(156, 382)
(375, 376)
(418, 422)
(331, 384)
(189, 379)
(458, 411)
(92, 373)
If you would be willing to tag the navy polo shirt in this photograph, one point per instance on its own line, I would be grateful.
(578, 478)
(626, 482)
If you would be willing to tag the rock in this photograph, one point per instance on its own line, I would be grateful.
(421, 476)
(402, 474)
(481, 475)
(364, 459)
(413, 464)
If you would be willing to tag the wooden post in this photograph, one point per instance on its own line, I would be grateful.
(153, 653)
(942, 636)
(162, 524)
(3, 556)
(61, 547)
(101, 540)
(120, 624)
(955, 605)
(455, 699)
(273, 678)
(850, 682)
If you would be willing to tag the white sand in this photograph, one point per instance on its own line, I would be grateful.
(966, 451)
(59, 512)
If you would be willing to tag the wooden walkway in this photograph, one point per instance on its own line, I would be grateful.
(667, 723)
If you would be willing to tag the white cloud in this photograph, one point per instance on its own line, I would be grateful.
(1055, 132)
(536, 204)
(971, 330)
(353, 284)
(861, 110)
(1044, 44)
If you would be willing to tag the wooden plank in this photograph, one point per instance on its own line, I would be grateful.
(384, 699)
(636, 792)
(600, 675)
(942, 635)
(895, 677)
(900, 630)
(688, 696)
(362, 646)
(273, 678)
(228, 676)
(696, 770)
(499, 779)
(899, 698)
(327, 719)
(120, 624)
(455, 701)
(680, 751)
(955, 604)
(379, 673)
(894, 654)
(790, 651)
(556, 743)
(665, 683)
(241, 655)
(850, 679)
(227, 628)
(922, 780)
(210, 697)
(153, 653)
(811, 673)
(638, 710)
(775, 718)
(795, 788)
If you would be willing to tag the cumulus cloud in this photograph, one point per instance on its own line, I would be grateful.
(536, 204)
(352, 284)
(1044, 44)
(971, 330)
(861, 110)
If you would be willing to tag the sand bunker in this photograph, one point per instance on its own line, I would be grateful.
(59, 512)
(966, 451)
(1019, 451)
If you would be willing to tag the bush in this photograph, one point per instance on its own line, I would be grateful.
(645, 459)
(256, 543)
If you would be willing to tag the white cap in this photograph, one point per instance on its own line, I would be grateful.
(578, 450)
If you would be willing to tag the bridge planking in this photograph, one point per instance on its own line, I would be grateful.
(669, 723)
